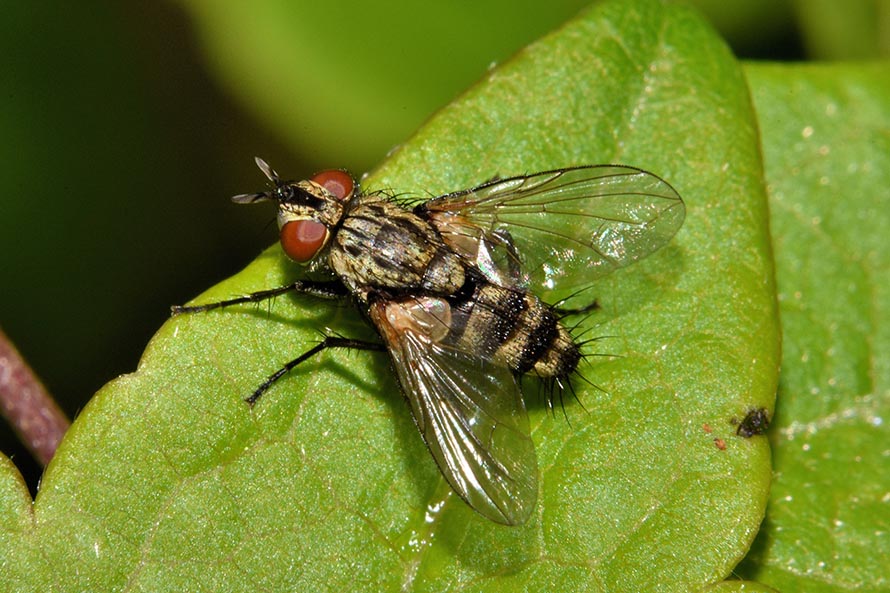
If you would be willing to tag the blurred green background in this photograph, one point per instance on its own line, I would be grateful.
(126, 126)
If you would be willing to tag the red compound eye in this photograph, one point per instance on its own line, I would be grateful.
(302, 239)
(339, 183)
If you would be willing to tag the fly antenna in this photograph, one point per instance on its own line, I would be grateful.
(268, 171)
(270, 174)
(250, 198)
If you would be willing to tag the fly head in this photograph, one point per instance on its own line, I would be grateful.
(308, 211)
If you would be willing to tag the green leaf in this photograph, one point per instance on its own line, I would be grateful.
(738, 587)
(826, 141)
(168, 481)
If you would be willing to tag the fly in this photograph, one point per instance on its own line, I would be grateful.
(457, 288)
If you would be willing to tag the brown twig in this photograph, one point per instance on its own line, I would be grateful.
(32, 412)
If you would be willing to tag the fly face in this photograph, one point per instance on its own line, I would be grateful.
(457, 289)
(308, 211)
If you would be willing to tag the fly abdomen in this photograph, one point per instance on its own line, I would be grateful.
(513, 328)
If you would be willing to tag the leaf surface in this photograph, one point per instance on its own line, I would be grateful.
(826, 141)
(168, 481)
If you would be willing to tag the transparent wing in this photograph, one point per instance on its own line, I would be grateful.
(472, 417)
(556, 232)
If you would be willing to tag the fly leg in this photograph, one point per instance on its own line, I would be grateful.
(327, 290)
(328, 342)
(576, 311)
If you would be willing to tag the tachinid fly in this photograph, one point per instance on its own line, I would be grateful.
(458, 286)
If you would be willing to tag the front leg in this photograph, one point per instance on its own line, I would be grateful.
(333, 289)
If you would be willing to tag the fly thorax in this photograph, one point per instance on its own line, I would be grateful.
(381, 245)
(444, 273)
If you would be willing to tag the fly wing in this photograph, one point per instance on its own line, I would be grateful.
(556, 232)
(470, 413)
